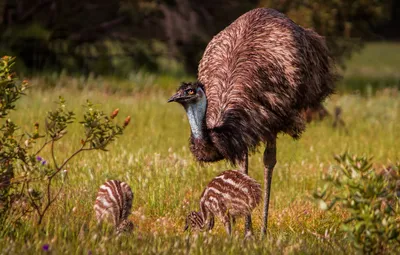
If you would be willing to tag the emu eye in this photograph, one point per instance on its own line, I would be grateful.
(190, 91)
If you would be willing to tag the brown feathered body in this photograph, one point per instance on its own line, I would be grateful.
(113, 204)
(258, 75)
(229, 195)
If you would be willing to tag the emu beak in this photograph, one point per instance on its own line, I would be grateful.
(174, 98)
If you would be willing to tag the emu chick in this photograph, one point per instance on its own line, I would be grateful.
(113, 204)
(229, 195)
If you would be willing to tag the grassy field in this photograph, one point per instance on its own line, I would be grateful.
(154, 158)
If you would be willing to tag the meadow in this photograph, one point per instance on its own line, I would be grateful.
(153, 157)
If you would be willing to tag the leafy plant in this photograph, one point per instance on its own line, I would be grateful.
(28, 182)
(371, 199)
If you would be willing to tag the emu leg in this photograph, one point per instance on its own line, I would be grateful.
(269, 164)
(244, 168)
(227, 223)
(211, 222)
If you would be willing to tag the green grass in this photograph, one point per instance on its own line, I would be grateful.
(374, 68)
(376, 60)
(154, 158)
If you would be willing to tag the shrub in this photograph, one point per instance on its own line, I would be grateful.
(371, 199)
(29, 183)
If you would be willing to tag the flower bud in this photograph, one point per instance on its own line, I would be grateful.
(114, 113)
(127, 120)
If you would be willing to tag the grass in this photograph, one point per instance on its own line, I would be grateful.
(381, 59)
(154, 158)
(376, 67)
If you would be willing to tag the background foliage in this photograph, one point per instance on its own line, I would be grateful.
(123, 36)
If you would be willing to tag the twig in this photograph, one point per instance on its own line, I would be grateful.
(68, 159)
(48, 194)
(52, 153)
(58, 193)
(44, 145)
(34, 204)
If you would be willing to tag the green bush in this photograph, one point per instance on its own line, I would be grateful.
(28, 182)
(371, 200)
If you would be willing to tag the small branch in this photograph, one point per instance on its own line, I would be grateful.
(52, 154)
(23, 213)
(70, 157)
(41, 148)
(22, 189)
(58, 193)
(49, 200)
(73, 155)
(48, 195)
(34, 204)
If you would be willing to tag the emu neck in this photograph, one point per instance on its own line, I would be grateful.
(196, 113)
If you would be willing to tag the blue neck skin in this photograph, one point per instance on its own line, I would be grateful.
(196, 113)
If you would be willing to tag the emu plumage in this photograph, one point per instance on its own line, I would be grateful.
(256, 77)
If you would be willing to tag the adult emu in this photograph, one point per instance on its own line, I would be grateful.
(254, 80)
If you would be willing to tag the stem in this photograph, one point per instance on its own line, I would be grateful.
(48, 194)
(68, 159)
(52, 153)
(34, 204)
(41, 148)
(22, 189)
(58, 193)
(50, 201)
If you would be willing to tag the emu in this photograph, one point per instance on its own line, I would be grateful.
(113, 204)
(231, 194)
(255, 79)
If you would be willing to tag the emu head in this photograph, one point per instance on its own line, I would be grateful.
(192, 97)
(194, 221)
(188, 93)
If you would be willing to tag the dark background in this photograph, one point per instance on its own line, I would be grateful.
(114, 37)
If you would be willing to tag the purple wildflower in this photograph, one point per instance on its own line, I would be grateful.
(89, 252)
(44, 162)
(39, 158)
(45, 247)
